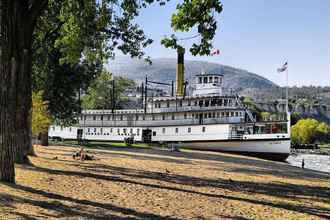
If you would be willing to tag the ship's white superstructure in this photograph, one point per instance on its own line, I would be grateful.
(208, 119)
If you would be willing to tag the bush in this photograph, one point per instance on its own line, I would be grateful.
(308, 131)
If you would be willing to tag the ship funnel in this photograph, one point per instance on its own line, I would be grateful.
(180, 72)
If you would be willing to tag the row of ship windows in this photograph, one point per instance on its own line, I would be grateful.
(185, 116)
(210, 79)
(200, 103)
(125, 131)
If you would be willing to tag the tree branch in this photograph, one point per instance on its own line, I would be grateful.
(35, 8)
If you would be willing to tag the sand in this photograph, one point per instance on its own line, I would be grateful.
(127, 183)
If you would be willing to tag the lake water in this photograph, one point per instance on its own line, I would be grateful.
(312, 161)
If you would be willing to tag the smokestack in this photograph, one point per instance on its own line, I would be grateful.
(180, 72)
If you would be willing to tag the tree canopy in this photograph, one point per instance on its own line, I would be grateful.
(99, 93)
(308, 131)
(41, 119)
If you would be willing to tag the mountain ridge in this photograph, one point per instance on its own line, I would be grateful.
(164, 70)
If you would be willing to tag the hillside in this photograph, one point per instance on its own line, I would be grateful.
(163, 69)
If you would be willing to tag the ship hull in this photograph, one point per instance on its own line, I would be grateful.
(272, 149)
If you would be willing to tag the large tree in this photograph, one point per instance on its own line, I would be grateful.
(115, 29)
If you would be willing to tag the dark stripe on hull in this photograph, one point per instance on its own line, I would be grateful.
(233, 140)
(268, 156)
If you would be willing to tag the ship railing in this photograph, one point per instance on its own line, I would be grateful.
(236, 136)
(168, 122)
(190, 108)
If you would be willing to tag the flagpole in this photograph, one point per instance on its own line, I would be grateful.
(288, 116)
(287, 89)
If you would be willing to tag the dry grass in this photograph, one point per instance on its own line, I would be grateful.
(157, 184)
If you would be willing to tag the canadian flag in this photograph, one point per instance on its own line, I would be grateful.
(283, 68)
(215, 52)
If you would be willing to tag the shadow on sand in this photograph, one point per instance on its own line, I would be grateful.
(138, 177)
(57, 204)
(255, 166)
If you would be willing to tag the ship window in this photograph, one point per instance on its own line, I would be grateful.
(156, 104)
(101, 130)
(227, 114)
(207, 103)
(131, 131)
(153, 117)
(195, 103)
(138, 131)
(176, 130)
(168, 104)
(180, 103)
(231, 114)
(173, 116)
(94, 118)
(216, 79)
(88, 130)
(222, 114)
(163, 117)
(210, 115)
(200, 80)
(137, 117)
(85, 117)
(118, 131)
(203, 129)
(218, 114)
(163, 130)
(205, 79)
(109, 117)
(94, 130)
(70, 129)
(220, 102)
(205, 115)
(196, 116)
(213, 102)
(189, 103)
(110, 130)
(189, 130)
(154, 133)
(101, 117)
(143, 117)
(236, 114)
(213, 114)
(210, 79)
(225, 102)
(200, 103)
(185, 115)
(121, 118)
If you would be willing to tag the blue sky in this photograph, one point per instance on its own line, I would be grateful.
(259, 36)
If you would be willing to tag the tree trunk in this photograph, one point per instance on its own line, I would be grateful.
(8, 96)
(17, 21)
(44, 139)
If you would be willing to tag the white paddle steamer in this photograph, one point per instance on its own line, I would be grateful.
(208, 119)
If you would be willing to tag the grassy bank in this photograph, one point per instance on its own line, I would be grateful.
(325, 146)
(97, 144)
(141, 183)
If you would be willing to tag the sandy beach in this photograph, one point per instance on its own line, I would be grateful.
(128, 183)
